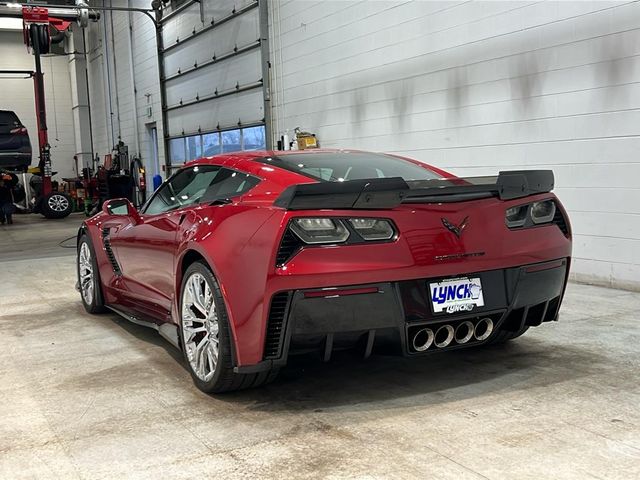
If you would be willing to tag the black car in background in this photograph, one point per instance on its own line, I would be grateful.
(15, 147)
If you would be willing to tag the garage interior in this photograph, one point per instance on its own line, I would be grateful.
(134, 89)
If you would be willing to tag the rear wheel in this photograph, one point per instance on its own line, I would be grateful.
(205, 335)
(89, 277)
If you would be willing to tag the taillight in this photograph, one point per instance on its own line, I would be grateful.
(543, 212)
(319, 230)
(536, 213)
(303, 232)
(314, 231)
(516, 216)
(18, 131)
(372, 229)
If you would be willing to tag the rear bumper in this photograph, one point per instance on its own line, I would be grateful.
(390, 314)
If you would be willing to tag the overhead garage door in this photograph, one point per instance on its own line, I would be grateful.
(213, 60)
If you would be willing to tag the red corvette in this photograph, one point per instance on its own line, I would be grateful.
(242, 260)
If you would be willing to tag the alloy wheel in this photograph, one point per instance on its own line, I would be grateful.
(86, 273)
(200, 327)
(58, 203)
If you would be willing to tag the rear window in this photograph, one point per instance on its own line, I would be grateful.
(8, 118)
(343, 166)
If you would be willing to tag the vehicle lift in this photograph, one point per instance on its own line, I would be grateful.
(36, 21)
(37, 18)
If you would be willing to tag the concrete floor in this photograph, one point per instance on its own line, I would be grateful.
(95, 397)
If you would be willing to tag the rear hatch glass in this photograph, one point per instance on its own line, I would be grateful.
(345, 166)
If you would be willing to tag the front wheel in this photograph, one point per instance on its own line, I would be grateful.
(205, 335)
(89, 277)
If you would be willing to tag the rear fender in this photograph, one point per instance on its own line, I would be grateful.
(223, 236)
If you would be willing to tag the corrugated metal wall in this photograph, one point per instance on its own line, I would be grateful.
(212, 76)
(476, 87)
(200, 59)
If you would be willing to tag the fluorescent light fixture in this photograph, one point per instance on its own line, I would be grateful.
(8, 23)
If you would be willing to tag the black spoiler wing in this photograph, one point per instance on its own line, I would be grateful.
(379, 193)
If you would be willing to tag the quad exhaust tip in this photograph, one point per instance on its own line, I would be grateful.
(483, 329)
(444, 336)
(464, 332)
(423, 339)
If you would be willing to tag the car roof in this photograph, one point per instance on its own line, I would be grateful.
(245, 161)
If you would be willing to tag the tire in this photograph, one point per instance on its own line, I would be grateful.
(503, 336)
(56, 205)
(205, 335)
(91, 294)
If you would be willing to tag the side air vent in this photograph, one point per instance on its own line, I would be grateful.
(289, 246)
(560, 221)
(275, 325)
(107, 248)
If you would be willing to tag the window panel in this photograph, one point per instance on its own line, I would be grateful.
(211, 144)
(231, 141)
(187, 187)
(194, 147)
(229, 184)
(177, 151)
(206, 145)
(253, 138)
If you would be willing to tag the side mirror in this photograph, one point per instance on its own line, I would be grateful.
(121, 207)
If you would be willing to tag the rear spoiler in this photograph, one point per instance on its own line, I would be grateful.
(380, 193)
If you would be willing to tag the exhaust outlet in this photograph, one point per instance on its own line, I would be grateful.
(464, 332)
(423, 339)
(484, 328)
(444, 336)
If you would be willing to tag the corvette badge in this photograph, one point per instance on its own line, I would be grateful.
(455, 229)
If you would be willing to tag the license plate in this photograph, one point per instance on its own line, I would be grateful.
(456, 295)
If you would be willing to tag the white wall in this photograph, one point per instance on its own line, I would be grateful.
(476, 87)
(17, 95)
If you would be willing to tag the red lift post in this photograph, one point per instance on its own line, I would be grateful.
(36, 22)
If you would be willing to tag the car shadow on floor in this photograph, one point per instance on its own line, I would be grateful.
(307, 384)
(151, 336)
